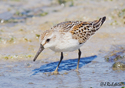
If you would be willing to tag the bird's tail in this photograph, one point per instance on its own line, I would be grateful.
(98, 23)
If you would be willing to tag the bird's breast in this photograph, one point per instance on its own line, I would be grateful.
(66, 44)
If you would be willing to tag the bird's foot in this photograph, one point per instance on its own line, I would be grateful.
(55, 72)
(77, 69)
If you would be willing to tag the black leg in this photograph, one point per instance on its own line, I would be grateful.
(79, 55)
(56, 71)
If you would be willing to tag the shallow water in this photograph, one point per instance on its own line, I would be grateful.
(65, 65)
(29, 74)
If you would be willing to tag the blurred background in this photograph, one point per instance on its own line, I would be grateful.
(22, 22)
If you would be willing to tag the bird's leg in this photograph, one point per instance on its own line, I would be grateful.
(56, 70)
(79, 55)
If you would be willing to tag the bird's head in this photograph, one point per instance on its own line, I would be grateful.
(48, 39)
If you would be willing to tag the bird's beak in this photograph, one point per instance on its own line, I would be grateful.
(38, 52)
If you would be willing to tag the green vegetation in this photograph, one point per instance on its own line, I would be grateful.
(118, 66)
(66, 1)
(21, 29)
(122, 13)
(115, 56)
(114, 23)
(28, 40)
(28, 56)
(6, 57)
(7, 40)
(62, 1)
(17, 13)
(122, 83)
(11, 40)
(9, 57)
(37, 35)
(44, 14)
(1, 30)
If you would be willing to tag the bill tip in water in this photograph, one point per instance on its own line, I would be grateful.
(39, 51)
(34, 60)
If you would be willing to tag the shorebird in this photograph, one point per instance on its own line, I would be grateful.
(68, 36)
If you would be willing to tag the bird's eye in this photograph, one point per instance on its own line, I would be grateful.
(47, 40)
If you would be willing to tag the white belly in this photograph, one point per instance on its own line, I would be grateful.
(66, 44)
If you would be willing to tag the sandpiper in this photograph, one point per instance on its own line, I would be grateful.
(68, 36)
